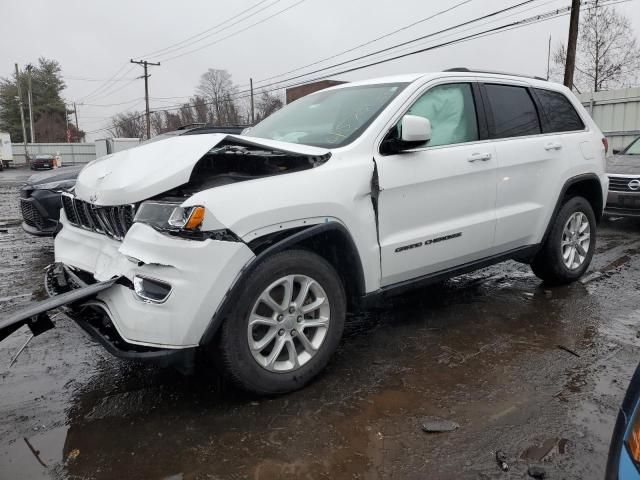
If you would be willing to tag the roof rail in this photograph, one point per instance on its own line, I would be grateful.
(465, 69)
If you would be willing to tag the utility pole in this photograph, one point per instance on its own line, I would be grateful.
(24, 130)
(29, 98)
(75, 113)
(253, 119)
(549, 59)
(146, 76)
(570, 64)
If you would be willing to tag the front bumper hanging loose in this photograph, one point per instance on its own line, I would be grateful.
(35, 317)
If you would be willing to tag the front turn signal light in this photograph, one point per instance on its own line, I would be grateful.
(195, 219)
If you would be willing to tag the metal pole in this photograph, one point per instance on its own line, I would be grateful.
(24, 130)
(75, 113)
(570, 64)
(146, 76)
(146, 99)
(66, 119)
(29, 98)
(253, 119)
(549, 59)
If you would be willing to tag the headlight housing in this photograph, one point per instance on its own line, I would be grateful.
(170, 216)
(57, 186)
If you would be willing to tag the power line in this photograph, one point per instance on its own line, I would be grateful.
(406, 27)
(214, 30)
(492, 31)
(521, 23)
(423, 37)
(102, 86)
(189, 52)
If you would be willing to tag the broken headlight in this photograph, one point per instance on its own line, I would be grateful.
(170, 216)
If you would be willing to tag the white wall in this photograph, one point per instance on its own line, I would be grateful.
(71, 153)
(616, 112)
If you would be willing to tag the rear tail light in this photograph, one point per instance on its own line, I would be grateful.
(605, 142)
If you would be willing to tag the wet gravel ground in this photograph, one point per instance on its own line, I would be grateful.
(537, 373)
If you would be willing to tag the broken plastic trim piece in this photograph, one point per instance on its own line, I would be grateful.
(35, 317)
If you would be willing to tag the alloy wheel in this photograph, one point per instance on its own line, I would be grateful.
(576, 239)
(288, 323)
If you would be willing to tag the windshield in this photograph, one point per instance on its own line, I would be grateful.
(330, 118)
(634, 148)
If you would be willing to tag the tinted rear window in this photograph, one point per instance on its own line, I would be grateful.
(514, 113)
(560, 114)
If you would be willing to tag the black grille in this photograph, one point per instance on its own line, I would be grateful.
(114, 222)
(30, 214)
(621, 184)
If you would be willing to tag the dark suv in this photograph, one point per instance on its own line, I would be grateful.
(623, 170)
(40, 200)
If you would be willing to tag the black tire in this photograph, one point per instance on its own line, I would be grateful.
(233, 345)
(548, 263)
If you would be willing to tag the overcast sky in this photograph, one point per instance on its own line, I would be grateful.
(94, 40)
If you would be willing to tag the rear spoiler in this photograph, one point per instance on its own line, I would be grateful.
(35, 316)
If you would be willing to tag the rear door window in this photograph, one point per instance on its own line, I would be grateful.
(514, 112)
(560, 116)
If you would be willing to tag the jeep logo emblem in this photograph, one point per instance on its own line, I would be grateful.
(93, 198)
(634, 185)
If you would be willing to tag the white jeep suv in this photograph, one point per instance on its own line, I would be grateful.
(253, 247)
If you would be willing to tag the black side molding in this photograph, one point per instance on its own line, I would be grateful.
(425, 280)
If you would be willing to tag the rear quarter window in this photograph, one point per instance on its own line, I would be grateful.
(559, 113)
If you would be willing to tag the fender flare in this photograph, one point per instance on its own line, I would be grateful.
(570, 182)
(234, 291)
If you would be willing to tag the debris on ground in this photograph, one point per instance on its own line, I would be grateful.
(568, 350)
(591, 277)
(537, 472)
(73, 454)
(438, 425)
(541, 452)
(36, 453)
(501, 458)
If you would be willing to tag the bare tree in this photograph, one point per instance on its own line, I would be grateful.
(157, 123)
(128, 125)
(266, 105)
(608, 55)
(218, 89)
(201, 110)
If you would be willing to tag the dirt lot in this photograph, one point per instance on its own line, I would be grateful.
(482, 350)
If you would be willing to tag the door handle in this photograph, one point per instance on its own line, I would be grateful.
(479, 156)
(552, 146)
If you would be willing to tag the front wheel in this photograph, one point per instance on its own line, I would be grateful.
(286, 324)
(568, 249)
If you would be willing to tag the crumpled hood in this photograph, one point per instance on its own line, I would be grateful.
(624, 164)
(150, 169)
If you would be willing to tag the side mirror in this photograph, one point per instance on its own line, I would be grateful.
(415, 130)
(615, 151)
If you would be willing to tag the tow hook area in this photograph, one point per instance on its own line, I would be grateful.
(35, 315)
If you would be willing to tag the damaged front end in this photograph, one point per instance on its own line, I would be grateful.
(141, 269)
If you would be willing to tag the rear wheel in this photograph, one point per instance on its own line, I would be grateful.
(568, 249)
(286, 325)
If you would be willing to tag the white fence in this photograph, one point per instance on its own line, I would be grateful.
(616, 112)
(71, 153)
